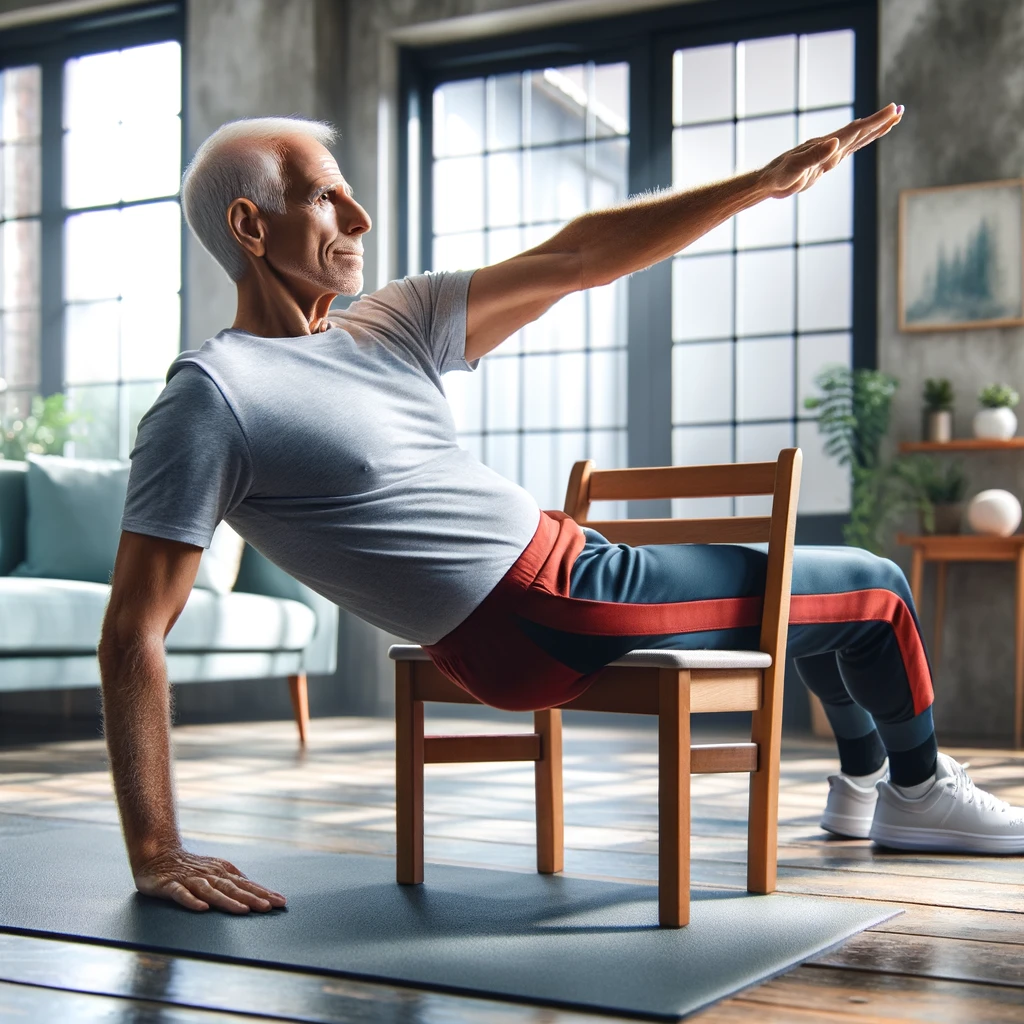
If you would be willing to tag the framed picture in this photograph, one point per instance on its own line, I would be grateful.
(960, 256)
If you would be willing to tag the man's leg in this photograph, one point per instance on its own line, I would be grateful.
(854, 637)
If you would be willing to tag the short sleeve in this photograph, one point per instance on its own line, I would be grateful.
(190, 466)
(425, 314)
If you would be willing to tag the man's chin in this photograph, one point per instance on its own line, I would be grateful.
(350, 284)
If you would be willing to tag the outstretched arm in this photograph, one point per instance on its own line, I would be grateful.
(600, 247)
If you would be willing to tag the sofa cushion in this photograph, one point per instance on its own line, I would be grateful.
(74, 517)
(13, 474)
(65, 616)
(74, 524)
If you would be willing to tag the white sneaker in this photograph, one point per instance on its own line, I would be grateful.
(850, 807)
(953, 816)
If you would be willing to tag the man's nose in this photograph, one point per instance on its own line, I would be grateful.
(352, 218)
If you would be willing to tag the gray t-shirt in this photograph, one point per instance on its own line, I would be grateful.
(335, 456)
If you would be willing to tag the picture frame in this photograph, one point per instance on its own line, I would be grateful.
(961, 256)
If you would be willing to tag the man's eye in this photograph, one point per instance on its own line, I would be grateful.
(323, 195)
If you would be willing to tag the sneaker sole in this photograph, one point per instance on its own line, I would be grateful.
(902, 837)
(845, 826)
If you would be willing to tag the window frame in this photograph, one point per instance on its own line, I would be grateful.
(49, 44)
(647, 41)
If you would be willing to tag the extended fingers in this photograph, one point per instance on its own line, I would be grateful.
(213, 893)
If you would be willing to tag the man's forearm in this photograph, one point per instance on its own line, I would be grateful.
(137, 724)
(623, 239)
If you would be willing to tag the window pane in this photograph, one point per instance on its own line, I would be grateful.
(501, 453)
(150, 335)
(151, 80)
(760, 141)
(701, 446)
(19, 347)
(562, 328)
(554, 391)
(92, 255)
(813, 353)
(504, 189)
(703, 154)
(459, 195)
(767, 224)
(459, 118)
(826, 287)
(539, 470)
(153, 229)
(764, 282)
(20, 179)
(606, 311)
(504, 111)
(557, 183)
(459, 252)
(557, 104)
(464, 392)
(610, 99)
(826, 68)
(503, 244)
(92, 333)
(702, 382)
(760, 443)
(825, 210)
(702, 84)
(824, 484)
(92, 90)
(609, 172)
(19, 251)
(608, 388)
(92, 166)
(702, 297)
(151, 155)
(764, 379)
(502, 384)
(98, 434)
(20, 103)
(766, 75)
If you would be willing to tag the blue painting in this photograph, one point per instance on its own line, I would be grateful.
(960, 257)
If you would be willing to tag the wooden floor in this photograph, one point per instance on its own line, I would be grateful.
(956, 954)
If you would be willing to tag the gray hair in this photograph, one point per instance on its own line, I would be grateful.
(240, 160)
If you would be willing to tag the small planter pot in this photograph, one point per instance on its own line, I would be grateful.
(938, 425)
(997, 424)
(948, 519)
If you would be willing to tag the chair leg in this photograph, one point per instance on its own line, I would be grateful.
(673, 798)
(763, 816)
(300, 704)
(408, 777)
(548, 783)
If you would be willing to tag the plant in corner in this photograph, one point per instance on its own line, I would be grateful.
(43, 432)
(936, 488)
(938, 409)
(996, 418)
(853, 415)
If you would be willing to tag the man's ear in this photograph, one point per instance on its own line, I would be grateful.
(248, 227)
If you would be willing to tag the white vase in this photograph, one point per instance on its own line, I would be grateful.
(994, 512)
(999, 424)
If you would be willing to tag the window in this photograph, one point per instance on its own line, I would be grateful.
(91, 224)
(515, 157)
(714, 350)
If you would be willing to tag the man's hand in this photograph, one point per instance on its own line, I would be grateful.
(199, 883)
(799, 168)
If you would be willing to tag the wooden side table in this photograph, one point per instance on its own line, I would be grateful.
(944, 549)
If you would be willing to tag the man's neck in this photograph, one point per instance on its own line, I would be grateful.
(267, 309)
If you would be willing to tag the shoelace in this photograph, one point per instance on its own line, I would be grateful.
(985, 800)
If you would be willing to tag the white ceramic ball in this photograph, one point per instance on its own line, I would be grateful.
(995, 512)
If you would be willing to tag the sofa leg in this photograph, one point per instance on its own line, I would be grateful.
(300, 704)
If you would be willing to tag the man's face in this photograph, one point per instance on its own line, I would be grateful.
(316, 244)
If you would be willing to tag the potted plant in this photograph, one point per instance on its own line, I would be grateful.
(936, 488)
(996, 418)
(43, 432)
(853, 415)
(938, 409)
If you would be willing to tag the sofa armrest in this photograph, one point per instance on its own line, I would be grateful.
(258, 575)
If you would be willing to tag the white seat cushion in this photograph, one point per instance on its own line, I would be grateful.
(639, 659)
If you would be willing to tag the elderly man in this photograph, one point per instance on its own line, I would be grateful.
(325, 440)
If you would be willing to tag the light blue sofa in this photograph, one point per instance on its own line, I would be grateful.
(268, 625)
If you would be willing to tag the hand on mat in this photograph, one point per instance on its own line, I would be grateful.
(799, 168)
(202, 882)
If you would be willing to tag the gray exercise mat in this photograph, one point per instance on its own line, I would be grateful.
(533, 938)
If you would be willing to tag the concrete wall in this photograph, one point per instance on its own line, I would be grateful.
(956, 65)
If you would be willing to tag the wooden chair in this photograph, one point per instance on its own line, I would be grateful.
(667, 683)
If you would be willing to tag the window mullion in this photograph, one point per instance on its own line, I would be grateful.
(51, 299)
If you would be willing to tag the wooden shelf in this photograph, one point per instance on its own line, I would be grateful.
(962, 444)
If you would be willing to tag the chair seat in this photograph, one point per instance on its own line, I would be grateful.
(701, 659)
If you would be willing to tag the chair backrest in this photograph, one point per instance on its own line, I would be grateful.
(780, 479)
